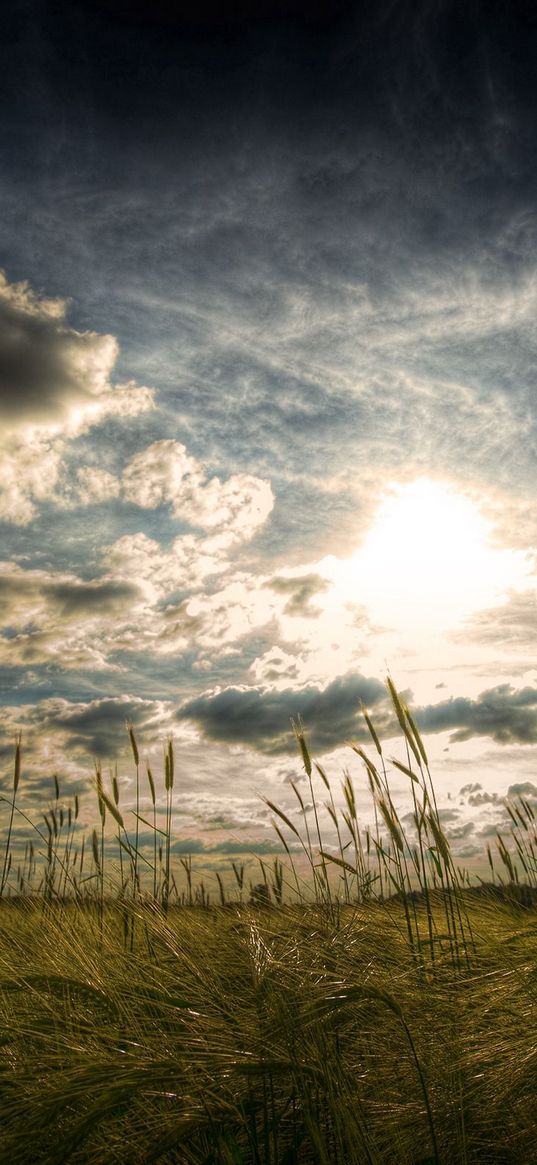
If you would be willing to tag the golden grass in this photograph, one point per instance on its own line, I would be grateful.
(381, 1011)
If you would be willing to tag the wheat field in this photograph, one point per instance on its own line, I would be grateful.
(364, 1002)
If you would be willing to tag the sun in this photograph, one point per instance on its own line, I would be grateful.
(427, 559)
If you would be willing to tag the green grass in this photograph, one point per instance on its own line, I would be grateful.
(363, 1005)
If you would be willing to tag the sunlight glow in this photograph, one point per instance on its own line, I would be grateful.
(427, 560)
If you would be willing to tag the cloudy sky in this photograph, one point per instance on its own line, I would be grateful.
(268, 414)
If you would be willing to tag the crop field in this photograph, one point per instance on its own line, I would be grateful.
(364, 1004)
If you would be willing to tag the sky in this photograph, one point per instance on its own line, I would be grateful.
(268, 415)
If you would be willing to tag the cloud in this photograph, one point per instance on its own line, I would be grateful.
(300, 589)
(240, 505)
(523, 789)
(260, 718)
(94, 485)
(165, 473)
(57, 617)
(233, 846)
(210, 616)
(512, 624)
(29, 472)
(100, 598)
(54, 385)
(478, 799)
(96, 728)
(457, 832)
(275, 667)
(188, 561)
(29, 595)
(160, 473)
(46, 368)
(216, 811)
(503, 713)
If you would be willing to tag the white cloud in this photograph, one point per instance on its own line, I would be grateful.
(96, 485)
(158, 474)
(187, 564)
(29, 473)
(165, 473)
(275, 667)
(241, 505)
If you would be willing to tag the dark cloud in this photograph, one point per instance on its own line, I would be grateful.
(38, 789)
(470, 851)
(46, 366)
(503, 713)
(98, 728)
(232, 846)
(212, 15)
(229, 846)
(457, 832)
(261, 718)
(448, 814)
(478, 799)
(491, 829)
(61, 619)
(522, 789)
(301, 590)
(99, 598)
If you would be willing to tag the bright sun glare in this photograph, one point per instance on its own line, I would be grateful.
(427, 559)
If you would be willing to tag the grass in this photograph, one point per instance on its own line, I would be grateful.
(361, 1004)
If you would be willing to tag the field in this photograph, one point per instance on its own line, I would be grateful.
(385, 1014)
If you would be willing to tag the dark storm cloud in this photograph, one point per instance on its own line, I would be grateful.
(261, 718)
(269, 149)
